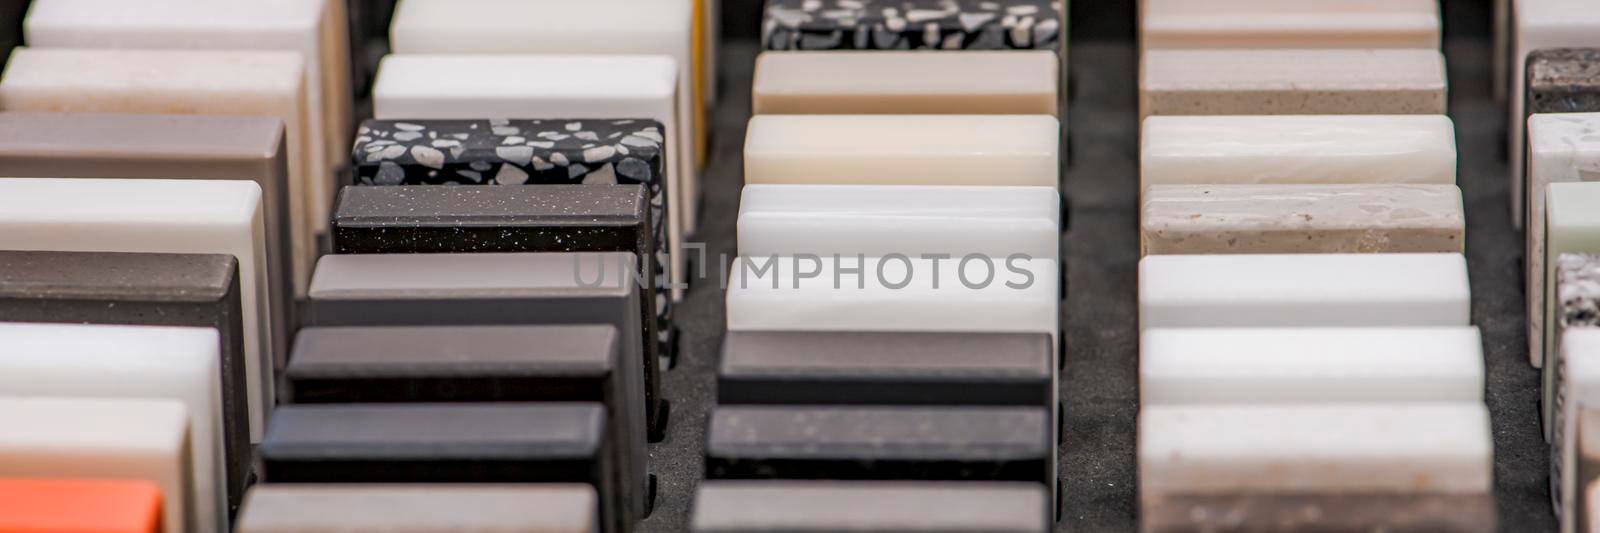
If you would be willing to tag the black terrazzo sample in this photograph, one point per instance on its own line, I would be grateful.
(145, 289)
(886, 368)
(857, 442)
(912, 25)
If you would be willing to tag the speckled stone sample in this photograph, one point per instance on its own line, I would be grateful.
(886, 368)
(1306, 149)
(1563, 80)
(855, 442)
(879, 506)
(1562, 147)
(420, 508)
(913, 25)
(1289, 512)
(445, 443)
(1572, 226)
(1280, 218)
(1569, 383)
(1289, 24)
(906, 82)
(192, 290)
(1292, 82)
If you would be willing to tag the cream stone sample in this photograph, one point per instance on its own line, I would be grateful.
(1341, 218)
(1290, 24)
(1539, 24)
(419, 508)
(1562, 147)
(1291, 82)
(1246, 149)
(904, 82)
(903, 150)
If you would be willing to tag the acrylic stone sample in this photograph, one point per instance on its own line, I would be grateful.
(855, 442)
(886, 368)
(1539, 24)
(1308, 290)
(175, 82)
(1588, 466)
(162, 363)
(1285, 219)
(314, 29)
(1559, 81)
(1388, 512)
(158, 216)
(79, 506)
(1579, 391)
(804, 506)
(1290, 24)
(1187, 366)
(420, 508)
(1438, 448)
(614, 87)
(1304, 149)
(100, 438)
(1577, 300)
(1571, 227)
(923, 25)
(903, 150)
(118, 145)
(1562, 147)
(446, 443)
(193, 290)
(1292, 82)
(912, 220)
(906, 83)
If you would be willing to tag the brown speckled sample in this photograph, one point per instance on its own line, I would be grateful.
(1563, 80)
(1281, 218)
(1290, 82)
(1301, 513)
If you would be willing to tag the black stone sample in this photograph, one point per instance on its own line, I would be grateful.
(1293, 513)
(854, 442)
(886, 368)
(145, 289)
(912, 25)
(444, 443)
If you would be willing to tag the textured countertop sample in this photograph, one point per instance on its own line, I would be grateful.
(923, 25)
(904, 150)
(1562, 147)
(1337, 511)
(1578, 390)
(420, 508)
(1307, 149)
(1572, 226)
(1286, 82)
(1289, 24)
(801, 506)
(1281, 218)
(906, 82)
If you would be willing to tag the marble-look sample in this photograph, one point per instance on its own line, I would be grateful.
(191, 290)
(804, 506)
(1269, 366)
(420, 508)
(1292, 82)
(597, 27)
(158, 216)
(1341, 511)
(446, 443)
(1305, 149)
(1577, 294)
(535, 152)
(317, 30)
(911, 220)
(100, 438)
(906, 83)
(1562, 147)
(1289, 219)
(511, 86)
(1579, 391)
(181, 82)
(954, 443)
(120, 145)
(903, 150)
(181, 364)
(1538, 24)
(928, 368)
(1338, 449)
(1588, 467)
(79, 506)
(923, 25)
(1306, 290)
(1312, 24)
(1572, 226)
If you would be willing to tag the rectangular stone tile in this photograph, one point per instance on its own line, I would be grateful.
(881, 25)
(903, 150)
(1577, 391)
(906, 83)
(1302, 149)
(1559, 83)
(1289, 24)
(1286, 219)
(1292, 82)
(1571, 228)
(1279, 512)
(420, 508)
(889, 507)
(1537, 24)
(1562, 148)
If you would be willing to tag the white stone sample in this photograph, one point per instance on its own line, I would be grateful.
(1260, 149)
(1021, 150)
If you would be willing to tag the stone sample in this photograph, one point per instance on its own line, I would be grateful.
(1269, 366)
(911, 220)
(79, 505)
(1538, 24)
(923, 25)
(927, 368)
(906, 83)
(1307, 290)
(801, 506)
(1286, 219)
(1292, 82)
(1572, 226)
(855, 442)
(1578, 390)
(420, 508)
(1301, 149)
(1280, 513)
(1588, 467)
(101, 438)
(1562, 147)
(158, 216)
(903, 150)
(1289, 24)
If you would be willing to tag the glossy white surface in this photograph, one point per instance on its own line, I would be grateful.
(1540, 24)
(1297, 149)
(1562, 147)
(1572, 225)
(1018, 150)
(1580, 388)
(1290, 24)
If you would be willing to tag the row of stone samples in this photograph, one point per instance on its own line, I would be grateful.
(1537, 70)
(1569, 320)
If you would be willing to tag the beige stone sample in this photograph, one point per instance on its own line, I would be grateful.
(1258, 149)
(1336, 218)
(962, 82)
(1292, 82)
(1290, 24)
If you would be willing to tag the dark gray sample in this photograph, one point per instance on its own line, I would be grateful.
(191, 290)
(1319, 513)
(895, 442)
(444, 443)
(878, 506)
(886, 368)
(1563, 80)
